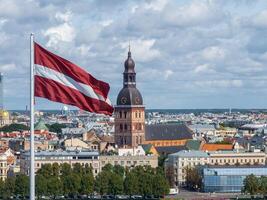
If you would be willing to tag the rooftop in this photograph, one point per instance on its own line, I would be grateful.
(168, 132)
(192, 154)
(62, 153)
(216, 147)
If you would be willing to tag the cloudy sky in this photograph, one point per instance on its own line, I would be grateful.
(188, 54)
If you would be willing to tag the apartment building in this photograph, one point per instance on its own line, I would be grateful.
(237, 158)
(92, 158)
(3, 166)
(49, 157)
(175, 165)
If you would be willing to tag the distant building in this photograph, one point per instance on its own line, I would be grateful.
(49, 157)
(3, 166)
(229, 178)
(92, 158)
(237, 158)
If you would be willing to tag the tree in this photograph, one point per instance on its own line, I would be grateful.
(115, 184)
(56, 128)
(65, 169)
(101, 182)
(54, 186)
(263, 185)
(9, 186)
(46, 170)
(118, 169)
(22, 185)
(71, 184)
(2, 188)
(14, 127)
(41, 185)
(77, 169)
(251, 184)
(131, 183)
(87, 184)
(160, 184)
(193, 178)
(170, 175)
(55, 169)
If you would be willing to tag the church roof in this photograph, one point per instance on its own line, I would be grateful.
(167, 132)
(129, 96)
(40, 125)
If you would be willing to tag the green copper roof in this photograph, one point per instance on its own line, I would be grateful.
(193, 144)
(40, 125)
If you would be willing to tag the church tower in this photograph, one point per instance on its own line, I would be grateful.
(129, 111)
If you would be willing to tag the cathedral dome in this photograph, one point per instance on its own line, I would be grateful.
(129, 96)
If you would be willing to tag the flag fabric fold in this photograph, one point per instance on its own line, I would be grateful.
(57, 79)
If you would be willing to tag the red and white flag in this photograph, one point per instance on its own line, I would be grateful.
(57, 79)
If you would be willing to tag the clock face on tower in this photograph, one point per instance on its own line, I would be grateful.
(123, 100)
(137, 100)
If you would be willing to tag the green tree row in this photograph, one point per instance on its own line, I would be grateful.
(63, 179)
(255, 185)
(14, 127)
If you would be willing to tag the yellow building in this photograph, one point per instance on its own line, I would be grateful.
(4, 118)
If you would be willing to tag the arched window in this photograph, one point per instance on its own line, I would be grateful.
(121, 127)
(125, 114)
(135, 114)
(139, 114)
(120, 114)
(125, 127)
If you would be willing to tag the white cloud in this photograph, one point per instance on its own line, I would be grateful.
(259, 20)
(167, 74)
(213, 53)
(219, 83)
(63, 32)
(205, 68)
(194, 13)
(106, 22)
(157, 5)
(7, 67)
(64, 17)
(142, 49)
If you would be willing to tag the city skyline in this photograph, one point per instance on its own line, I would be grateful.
(195, 54)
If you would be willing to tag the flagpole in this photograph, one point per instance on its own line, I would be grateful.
(32, 170)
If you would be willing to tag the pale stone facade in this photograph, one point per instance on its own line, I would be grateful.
(237, 158)
(129, 161)
(3, 166)
(93, 159)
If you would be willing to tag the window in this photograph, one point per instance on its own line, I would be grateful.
(139, 114)
(121, 127)
(125, 127)
(135, 114)
(125, 114)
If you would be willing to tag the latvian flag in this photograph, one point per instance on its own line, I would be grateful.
(59, 80)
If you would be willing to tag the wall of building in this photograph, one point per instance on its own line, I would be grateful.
(3, 166)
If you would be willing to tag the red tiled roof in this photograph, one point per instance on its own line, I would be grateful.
(216, 147)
